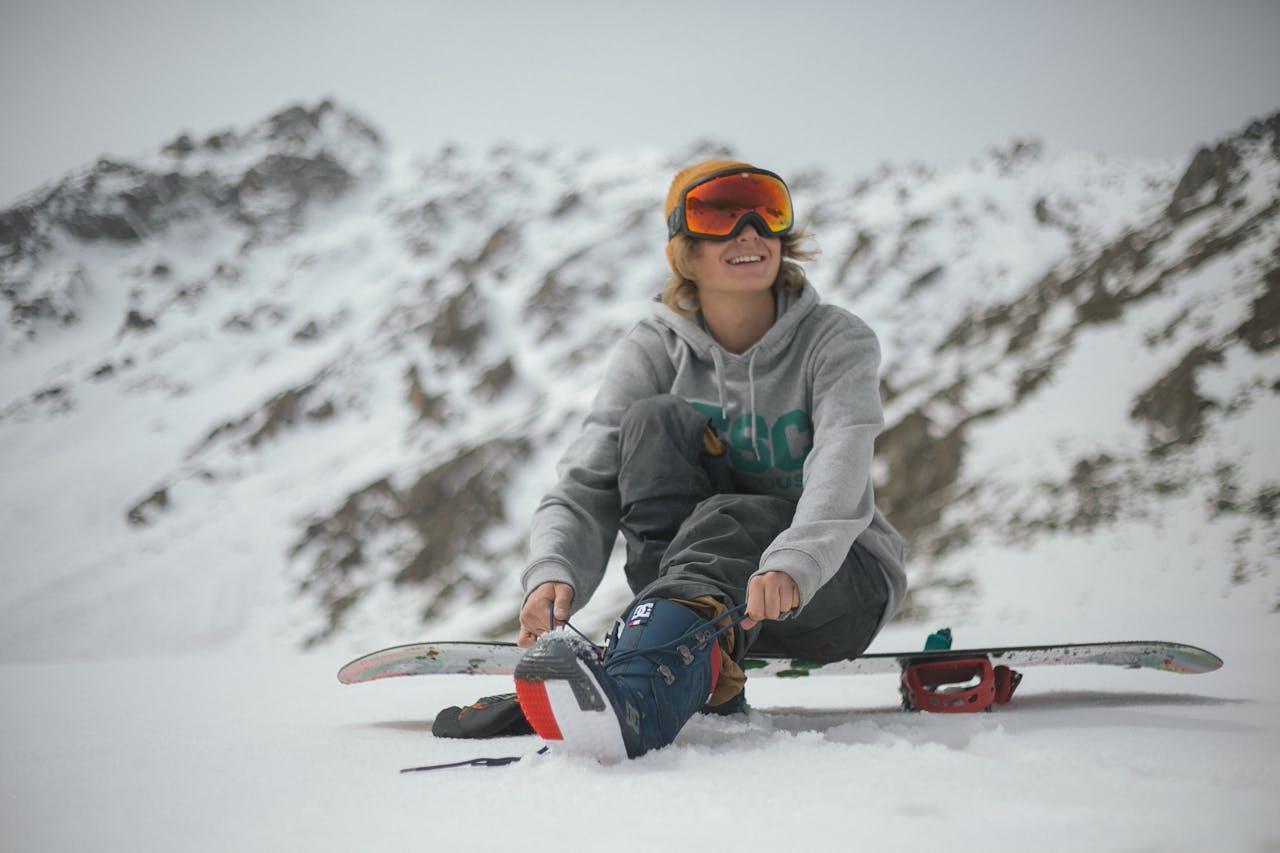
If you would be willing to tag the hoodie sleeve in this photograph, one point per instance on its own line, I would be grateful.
(576, 523)
(836, 504)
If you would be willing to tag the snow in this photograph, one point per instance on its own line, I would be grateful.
(150, 701)
(235, 752)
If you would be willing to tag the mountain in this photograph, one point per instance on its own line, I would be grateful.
(290, 384)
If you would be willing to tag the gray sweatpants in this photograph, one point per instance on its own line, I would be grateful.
(691, 532)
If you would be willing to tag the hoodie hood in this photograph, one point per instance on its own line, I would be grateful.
(791, 308)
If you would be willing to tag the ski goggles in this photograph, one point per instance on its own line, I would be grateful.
(721, 204)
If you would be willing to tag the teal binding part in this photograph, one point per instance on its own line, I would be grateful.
(939, 641)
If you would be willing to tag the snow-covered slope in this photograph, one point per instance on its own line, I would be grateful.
(288, 385)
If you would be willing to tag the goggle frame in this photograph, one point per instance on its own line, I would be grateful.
(677, 222)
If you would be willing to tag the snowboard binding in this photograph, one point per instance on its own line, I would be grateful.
(959, 686)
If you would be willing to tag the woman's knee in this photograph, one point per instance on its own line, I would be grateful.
(748, 510)
(737, 522)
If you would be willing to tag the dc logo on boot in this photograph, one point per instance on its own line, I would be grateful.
(641, 614)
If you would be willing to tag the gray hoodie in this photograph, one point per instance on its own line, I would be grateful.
(800, 411)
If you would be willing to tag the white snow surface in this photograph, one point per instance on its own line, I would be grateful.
(224, 752)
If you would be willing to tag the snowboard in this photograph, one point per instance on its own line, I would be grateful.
(478, 658)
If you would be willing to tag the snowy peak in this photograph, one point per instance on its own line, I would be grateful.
(1215, 171)
(262, 179)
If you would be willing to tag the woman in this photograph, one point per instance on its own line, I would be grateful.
(731, 442)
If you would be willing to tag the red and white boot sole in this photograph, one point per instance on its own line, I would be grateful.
(566, 704)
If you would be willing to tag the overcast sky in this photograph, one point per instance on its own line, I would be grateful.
(843, 85)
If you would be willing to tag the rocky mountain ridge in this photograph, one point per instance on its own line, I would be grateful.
(290, 383)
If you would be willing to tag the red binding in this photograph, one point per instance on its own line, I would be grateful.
(925, 685)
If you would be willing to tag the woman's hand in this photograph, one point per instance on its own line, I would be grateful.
(769, 596)
(533, 616)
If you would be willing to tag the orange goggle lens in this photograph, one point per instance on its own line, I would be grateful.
(714, 207)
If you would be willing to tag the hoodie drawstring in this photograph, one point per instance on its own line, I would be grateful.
(718, 360)
(751, 393)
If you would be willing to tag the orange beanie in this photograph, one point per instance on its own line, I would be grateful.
(691, 175)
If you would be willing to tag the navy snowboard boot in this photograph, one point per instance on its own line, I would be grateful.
(656, 675)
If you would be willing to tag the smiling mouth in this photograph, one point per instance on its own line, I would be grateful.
(745, 260)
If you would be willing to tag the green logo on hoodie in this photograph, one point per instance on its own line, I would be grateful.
(782, 445)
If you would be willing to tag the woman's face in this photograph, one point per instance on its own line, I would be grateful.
(747, 263)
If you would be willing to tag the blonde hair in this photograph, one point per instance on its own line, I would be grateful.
(680, 292)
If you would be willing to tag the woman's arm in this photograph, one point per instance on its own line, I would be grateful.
(576, 524)
(836, 504)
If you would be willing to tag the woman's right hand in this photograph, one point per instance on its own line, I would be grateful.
(533, 616)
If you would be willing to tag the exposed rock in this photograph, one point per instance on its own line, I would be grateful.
(285, 410)
(1231, 499)
(1017, 153)
(104, 371)
(1101, 306)
(557, 293)
(1261, 331)
(566, 204)
(1173, 407)
(460, 324)
(282, 410)
(18, 231)
(220, 141)
(1210, 167)
(925, 279)
(1031, 378)
(298, 124)
(1263, 129)
(922, 469)
(1097, 500)
(145, 510)
(429, 408)
(502, 242)
(136, 321)
(496, 379)
(1041, 211)
(419, 225)
(56, 299)
(272, 314)
(445, 514)
(180, 147)
(453, 504)
(552, 300)
(323, 412)
(1026, 316)
(134, 210)
(278, 188)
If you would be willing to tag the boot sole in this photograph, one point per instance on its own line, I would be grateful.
(566, 704)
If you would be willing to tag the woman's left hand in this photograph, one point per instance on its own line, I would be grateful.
(770, 595)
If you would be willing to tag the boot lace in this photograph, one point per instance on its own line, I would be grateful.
(677, 649)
